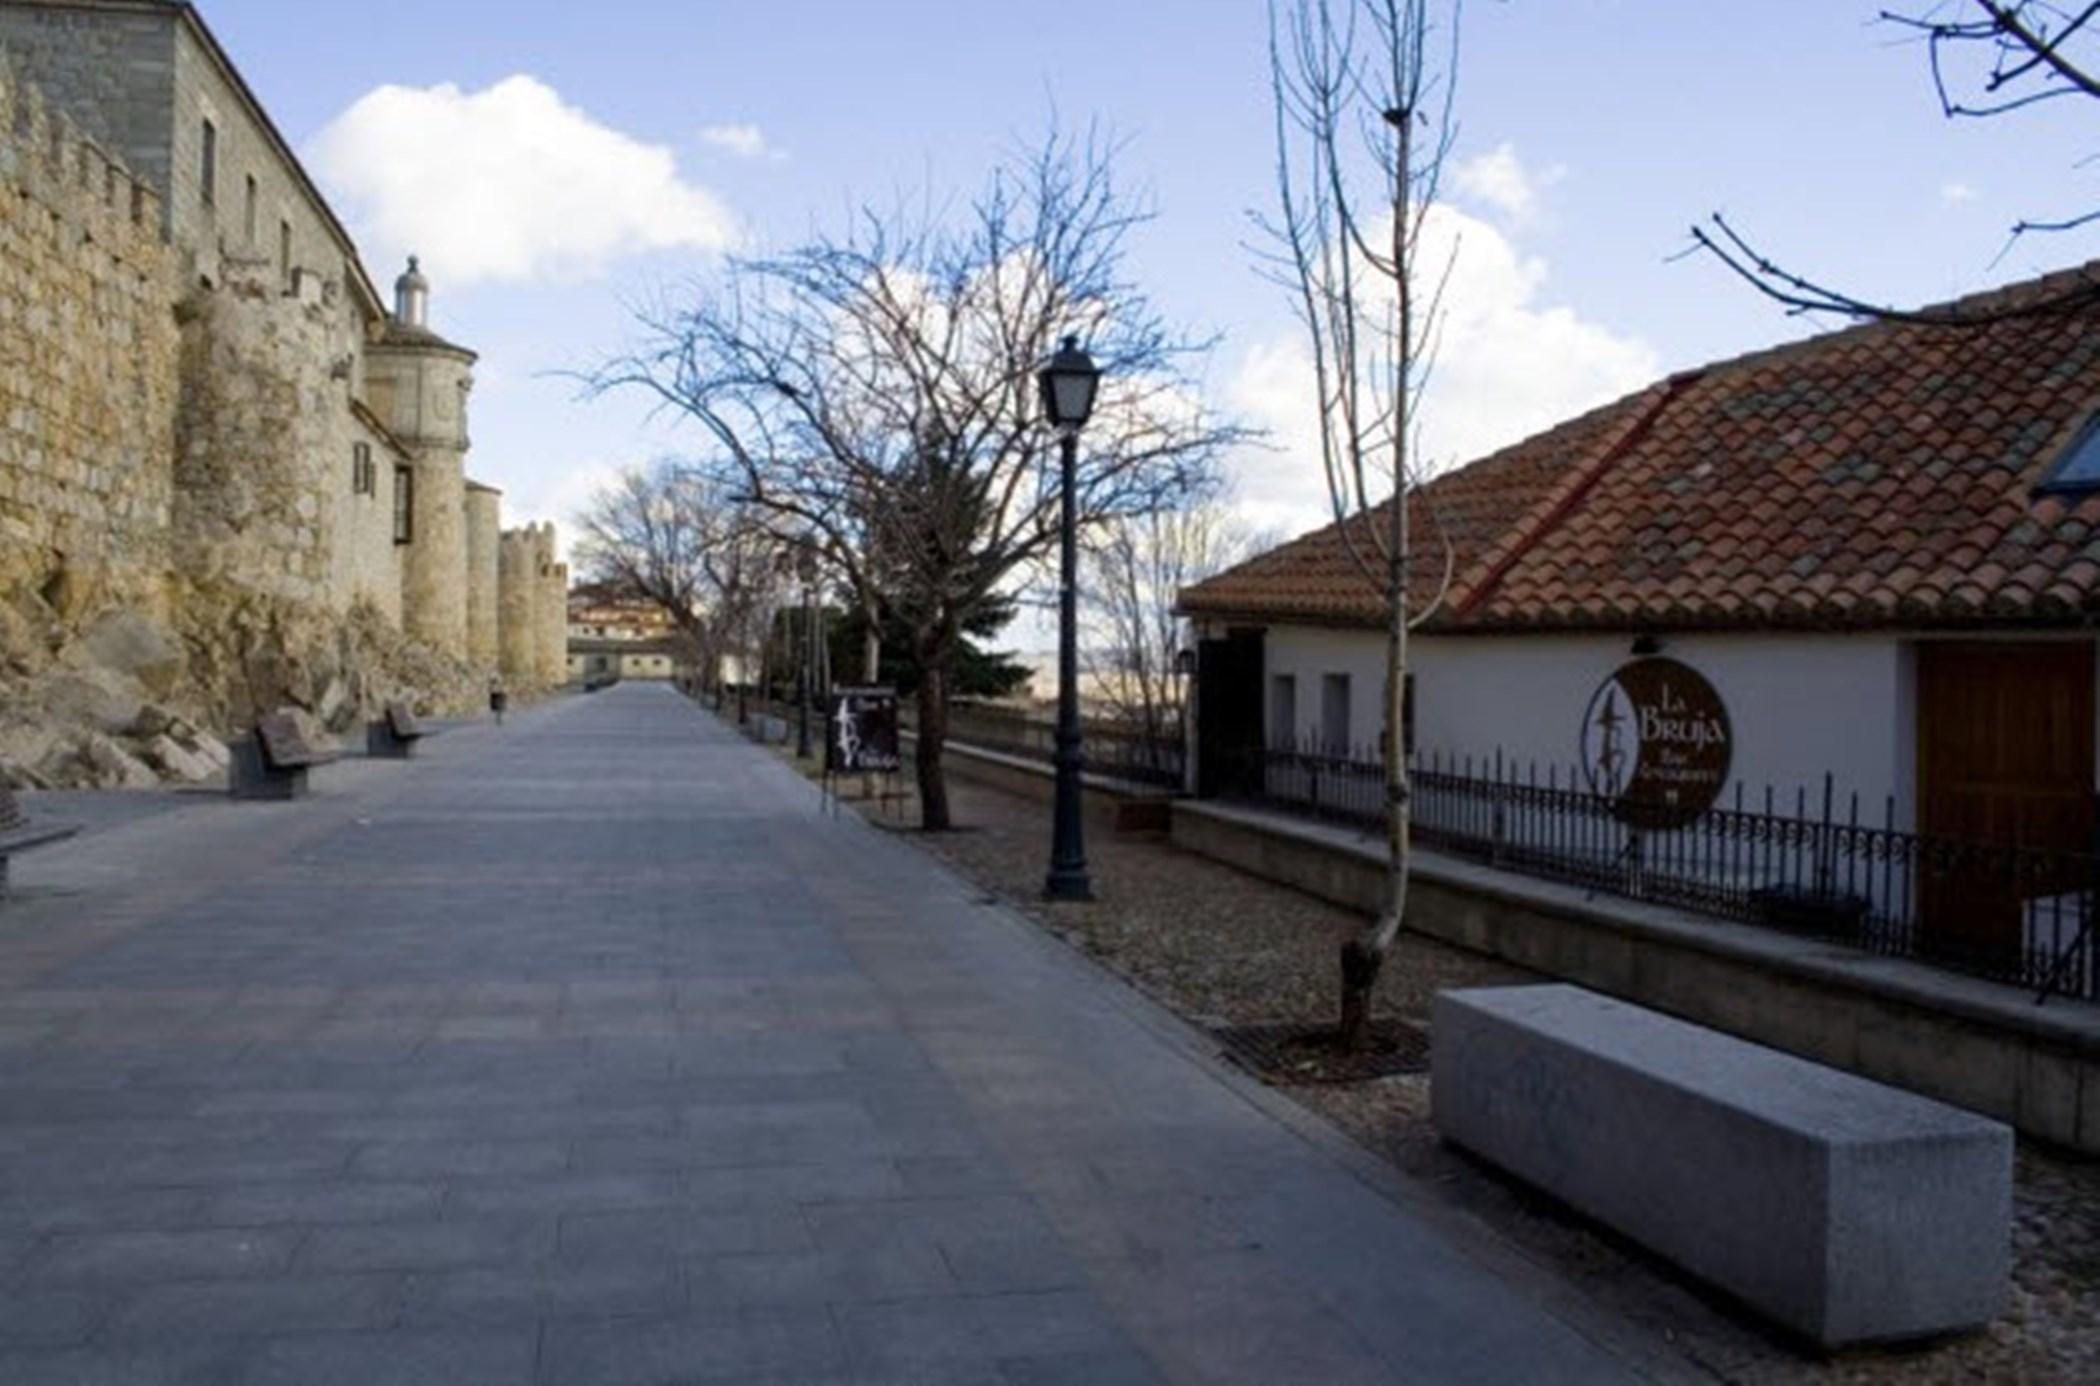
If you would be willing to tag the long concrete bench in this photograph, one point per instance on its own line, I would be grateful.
(1846, 1211)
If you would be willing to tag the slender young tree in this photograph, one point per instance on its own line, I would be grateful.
(875, 390)
(1363, 94)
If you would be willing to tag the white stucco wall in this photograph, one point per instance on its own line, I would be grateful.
(1798, 705)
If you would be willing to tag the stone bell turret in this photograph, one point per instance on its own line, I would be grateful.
(412, 296)
(418, 383)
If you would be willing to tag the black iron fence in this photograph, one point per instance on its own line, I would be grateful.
(1117, 750)
(1113, 749)
(1809, 863)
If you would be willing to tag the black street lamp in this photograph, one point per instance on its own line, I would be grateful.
(1069, 382)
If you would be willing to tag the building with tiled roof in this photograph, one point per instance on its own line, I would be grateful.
(1887, 475)
(1877, 549)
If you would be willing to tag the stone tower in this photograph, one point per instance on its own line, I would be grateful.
(517, 607)
(418, 383)
(551, 606)
(484, 534)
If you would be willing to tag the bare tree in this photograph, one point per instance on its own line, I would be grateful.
(669, 535)
(1988, 59)
(1363, 93)
(875, 391)
(1136, 567)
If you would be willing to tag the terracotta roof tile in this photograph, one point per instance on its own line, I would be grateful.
(1884, 473)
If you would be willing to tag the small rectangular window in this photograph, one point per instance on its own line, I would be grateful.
(404, 505)
(284, 254)
(1283, 711)
(2079, 467)
(208, 166)
(362, 480)
(1334, 713)
(248, 212)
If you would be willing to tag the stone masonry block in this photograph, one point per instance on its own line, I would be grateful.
(1847, 1211)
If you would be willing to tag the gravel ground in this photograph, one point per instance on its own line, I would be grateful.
(1223, 948)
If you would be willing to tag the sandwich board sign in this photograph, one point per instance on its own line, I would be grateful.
(862, 734)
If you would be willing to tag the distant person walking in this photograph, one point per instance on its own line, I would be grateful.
(498, 699)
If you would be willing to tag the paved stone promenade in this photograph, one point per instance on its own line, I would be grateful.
(591, 1050)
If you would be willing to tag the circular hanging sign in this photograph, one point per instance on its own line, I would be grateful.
(1657, 744)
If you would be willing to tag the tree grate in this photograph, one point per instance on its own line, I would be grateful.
(1306, 1055)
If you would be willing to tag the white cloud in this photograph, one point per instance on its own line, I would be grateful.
(744, 141)
(1499, 179)
(559, 497)
(507, 183)
(1509, 364)
(1956, 192)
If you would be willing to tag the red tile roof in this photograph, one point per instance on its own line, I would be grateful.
(1882, 475)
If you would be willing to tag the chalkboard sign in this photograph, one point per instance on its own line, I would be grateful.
(863, 732)
(1656, 742)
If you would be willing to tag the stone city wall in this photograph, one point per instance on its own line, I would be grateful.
(114, 70)
(484, 536)
(420, 390)
(517, 603)
(87, 366)
(290, 228)
(197, 517)
(263, 415)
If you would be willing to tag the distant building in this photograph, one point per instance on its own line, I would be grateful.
(615, 636)
(1872, 556)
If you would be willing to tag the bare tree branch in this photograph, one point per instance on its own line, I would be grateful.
(875, 391)
(2015, 54)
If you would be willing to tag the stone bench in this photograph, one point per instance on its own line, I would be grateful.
(272, 762)
(394, 736)
(1846, 1211)
(19, 834)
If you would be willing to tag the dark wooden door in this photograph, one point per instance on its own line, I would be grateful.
(2005, 755)
(1228, 711)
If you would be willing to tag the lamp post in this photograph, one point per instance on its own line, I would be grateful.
(1069, 381)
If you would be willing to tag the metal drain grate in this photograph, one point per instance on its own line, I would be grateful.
(1299, 1055)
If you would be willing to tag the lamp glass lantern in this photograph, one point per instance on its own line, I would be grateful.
(1069, 382)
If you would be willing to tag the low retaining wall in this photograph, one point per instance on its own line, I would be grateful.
(1973, 1043)
(1127, 807)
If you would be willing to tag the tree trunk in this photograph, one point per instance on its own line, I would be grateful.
(1363, 957)
(871, 652)
(933, 738)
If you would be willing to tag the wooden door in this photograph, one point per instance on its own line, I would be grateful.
(2005, 755)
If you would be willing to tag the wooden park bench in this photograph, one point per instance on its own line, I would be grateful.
(18, 834)
(394, 736)
(1847, 1211)
(271, 763)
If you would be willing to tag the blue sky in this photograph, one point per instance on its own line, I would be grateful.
(1596, 131)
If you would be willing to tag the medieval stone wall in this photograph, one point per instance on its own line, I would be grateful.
(87, 366)
(484, 536)
(197, 504)
(550, 609)
(517, 606)
(419, 388)
(367, 566)
(261, 417)
(114, 70)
